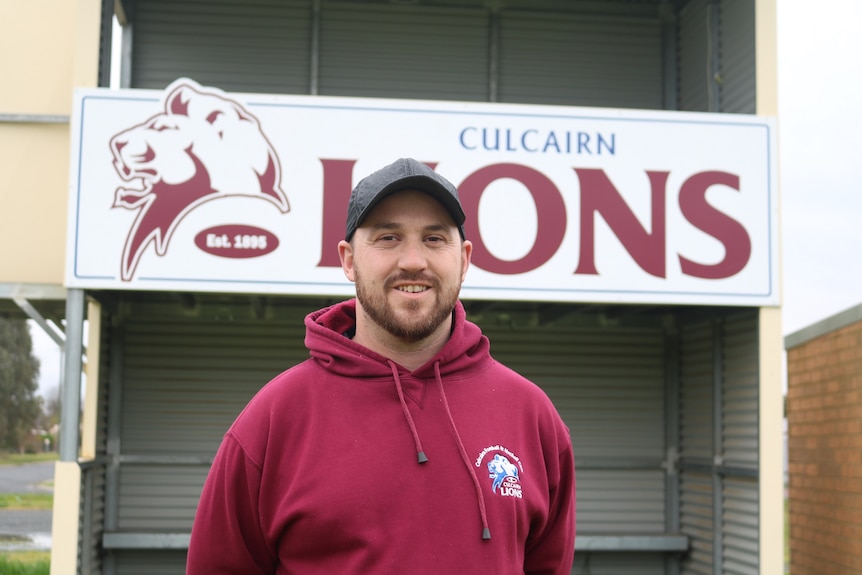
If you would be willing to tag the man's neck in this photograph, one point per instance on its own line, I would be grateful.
(411, 355)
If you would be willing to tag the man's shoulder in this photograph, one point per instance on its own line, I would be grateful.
(503, 371)
(292, 380)
(284, 387)
(513, 381)
(266, 408)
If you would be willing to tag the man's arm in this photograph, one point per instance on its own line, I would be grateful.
(552, 551)
(227, 537)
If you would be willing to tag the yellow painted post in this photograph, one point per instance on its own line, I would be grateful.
(89, 424)
(771, 346)
(771, 443)
(64, 529)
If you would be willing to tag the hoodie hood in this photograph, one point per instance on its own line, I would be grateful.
(466, 350)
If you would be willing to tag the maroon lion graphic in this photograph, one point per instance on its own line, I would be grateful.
(203, 146)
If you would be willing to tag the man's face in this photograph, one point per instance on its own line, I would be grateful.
(408, 261)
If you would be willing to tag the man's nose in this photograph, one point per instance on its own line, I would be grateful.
(413, 255)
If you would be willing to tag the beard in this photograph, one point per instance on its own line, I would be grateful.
(414, 327)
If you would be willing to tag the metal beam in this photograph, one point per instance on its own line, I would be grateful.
(664, 542)
(34, 119)
(673, 503)
(71, 385)
(659, 542)
(113, 448)
(494, 51)
(32, 291)
(670, 50)
(314, 63)
(129, 540)
(206, 460)
(717, 444)
(713, 39)
(127, 31)
(53, 331)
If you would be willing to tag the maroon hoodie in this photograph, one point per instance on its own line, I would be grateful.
(349, 463)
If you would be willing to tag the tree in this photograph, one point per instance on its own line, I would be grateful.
(20, 407)
(49, 420)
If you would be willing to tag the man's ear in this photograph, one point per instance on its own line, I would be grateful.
(466, 253)
(345, 254)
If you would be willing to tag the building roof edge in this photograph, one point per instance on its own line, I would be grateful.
(834, 322)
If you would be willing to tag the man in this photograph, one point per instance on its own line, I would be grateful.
(400, 446)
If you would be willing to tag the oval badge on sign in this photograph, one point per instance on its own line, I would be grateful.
(236, 241)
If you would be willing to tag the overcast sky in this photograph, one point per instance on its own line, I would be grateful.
(820, 119)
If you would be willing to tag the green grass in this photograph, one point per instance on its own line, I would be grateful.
(26, 501)
(25, 562)
(786, 535)
(22, 458)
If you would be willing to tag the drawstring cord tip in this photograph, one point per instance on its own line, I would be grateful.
(421, 457)
(486, 534)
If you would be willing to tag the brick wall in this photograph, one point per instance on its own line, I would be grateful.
(824, 426)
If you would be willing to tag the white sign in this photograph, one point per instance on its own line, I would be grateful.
(194, 189)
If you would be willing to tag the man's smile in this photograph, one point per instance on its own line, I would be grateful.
(412, 288)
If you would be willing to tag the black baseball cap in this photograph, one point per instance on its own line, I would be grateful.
(402, 174)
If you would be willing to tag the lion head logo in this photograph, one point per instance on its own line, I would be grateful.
(202, 146)
(500, 468)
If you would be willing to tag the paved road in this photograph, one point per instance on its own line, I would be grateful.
(26, 478)
(25, 529)
(25, 522)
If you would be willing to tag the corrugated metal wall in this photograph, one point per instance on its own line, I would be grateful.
(740, 525)
(618, 564)
(186, 376)
(719, 444)
(162, 562)
(475, 54)
(253, 46)
(404, 52)
(739, 446)
(608, 384)
(93, 474)
(695, 80)
(696, 438)
(739, 400)
(697, 521)
(717, 57)
(738, 86)
(581, 60)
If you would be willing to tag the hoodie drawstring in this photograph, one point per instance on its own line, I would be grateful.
(420, 455)
(480, 498)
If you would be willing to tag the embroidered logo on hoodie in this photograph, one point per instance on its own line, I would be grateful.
(503, 473)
